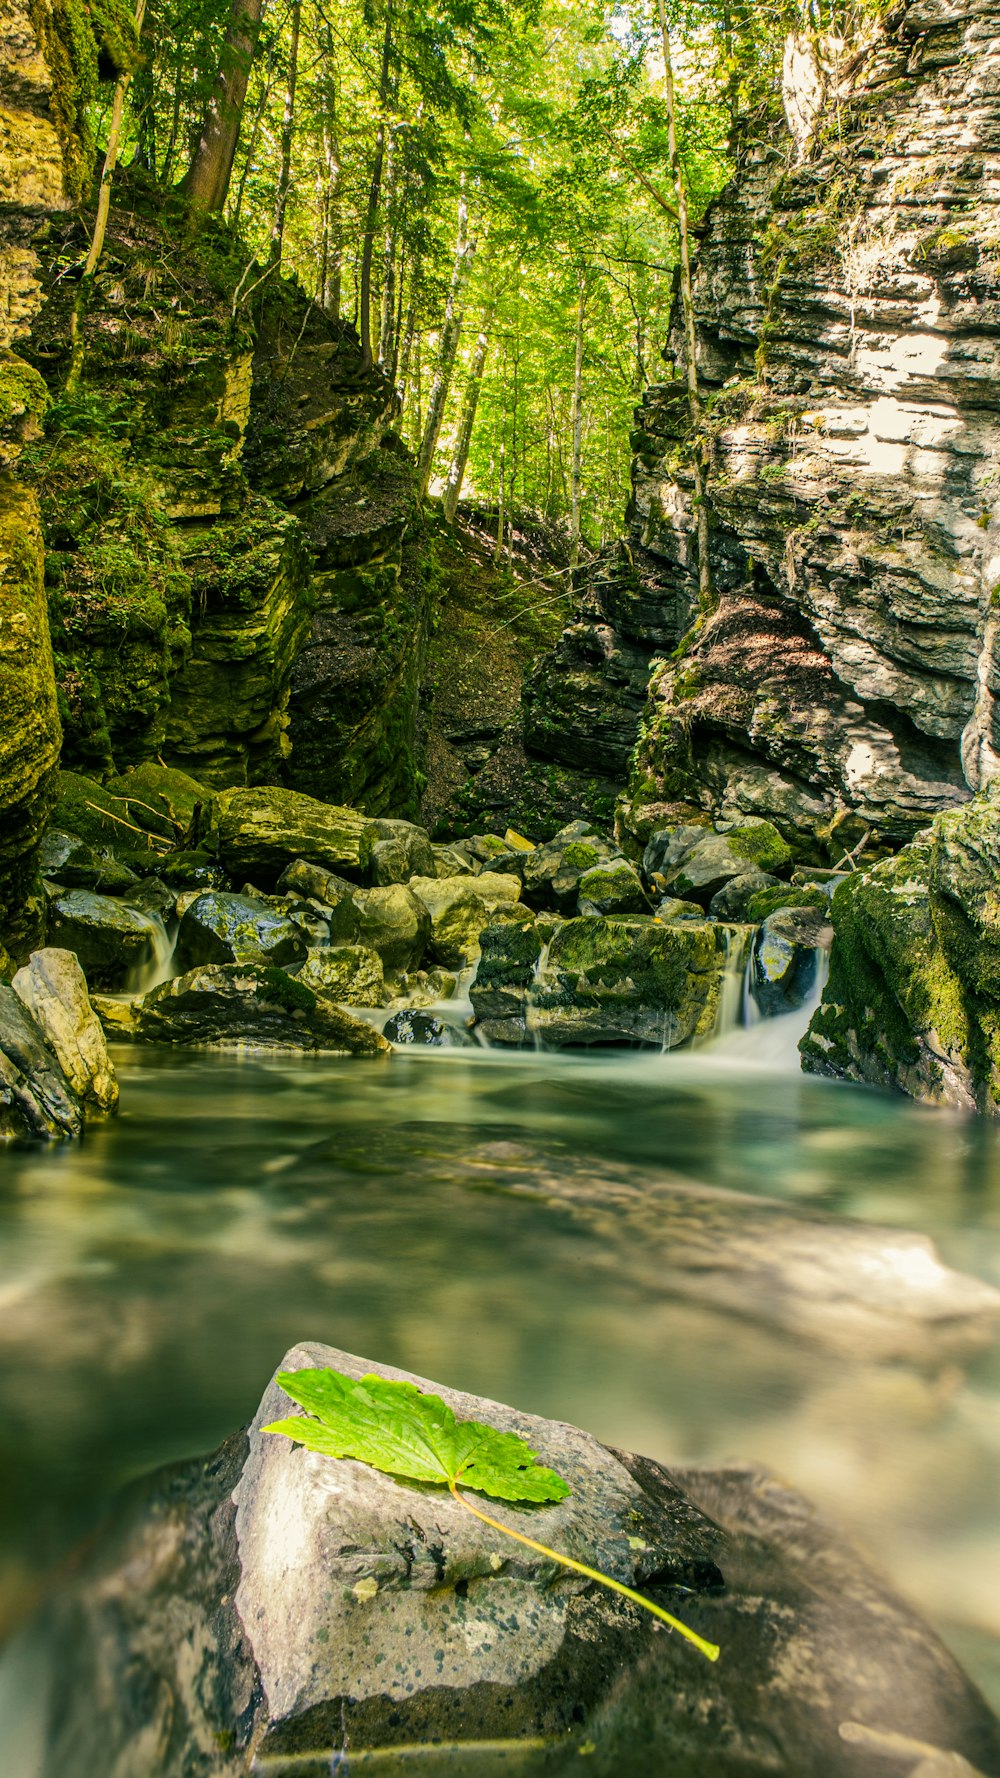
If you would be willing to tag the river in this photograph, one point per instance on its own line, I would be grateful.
(507, 1225)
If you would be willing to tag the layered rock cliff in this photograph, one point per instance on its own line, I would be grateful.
(848, 311)
(50, 56)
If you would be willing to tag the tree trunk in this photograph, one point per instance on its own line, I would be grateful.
(387, 326)
(687, 311)
(374, 195)
(92, 260)
(207, 180)
(459, 462)
(450, 335)
(287, 133)
(575, 507)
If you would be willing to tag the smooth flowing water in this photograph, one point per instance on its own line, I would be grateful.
(501, 1225)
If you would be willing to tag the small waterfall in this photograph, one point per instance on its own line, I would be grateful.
(733, 992)
(771, 1043)
(159, 966)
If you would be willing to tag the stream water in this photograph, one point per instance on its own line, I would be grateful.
(501, 1224)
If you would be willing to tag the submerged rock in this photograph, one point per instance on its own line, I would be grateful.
(53, 989)
(256, 833)
(220, 928)
(36, 1099)
(294, 1608)
(419, 1028)
(110, 937)
(260, 1007)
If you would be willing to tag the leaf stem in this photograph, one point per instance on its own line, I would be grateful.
(709, 1649)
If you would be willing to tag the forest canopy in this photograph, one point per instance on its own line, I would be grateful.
(483, 188)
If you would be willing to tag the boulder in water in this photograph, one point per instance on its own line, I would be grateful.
(260, 1007)
(53, 988)
(221, 928)
(350, 974)
(628, 981)
(36, 1099)
(111, 938)
(256, 833)
(785, 958)
(500, 993)
(284, 1610)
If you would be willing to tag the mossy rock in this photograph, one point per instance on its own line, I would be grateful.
(611, 980)
(246, 1006)
(770, 901)
(762, 845)
(257, 833)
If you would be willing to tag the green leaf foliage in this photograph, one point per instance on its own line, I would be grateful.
(398, 1429)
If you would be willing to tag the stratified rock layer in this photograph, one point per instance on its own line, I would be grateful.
(848, 312)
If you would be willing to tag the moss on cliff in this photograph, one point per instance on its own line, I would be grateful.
(29, 723)
(83, 42)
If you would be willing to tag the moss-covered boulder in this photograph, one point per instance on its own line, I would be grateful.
(29, 721)
(221, 928)
(510, 955)
(786, 958)
(258, 1007)
(913, 997)
(111, 938)
(689, 862)
(629, 981)
(256, 833)
(53, 989)
(350, 974)
(401, 850)
(553, 872)
(65, 859)
(460, 909)
(393, 922)
(614, 887)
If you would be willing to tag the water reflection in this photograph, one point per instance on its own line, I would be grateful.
(506, 1226)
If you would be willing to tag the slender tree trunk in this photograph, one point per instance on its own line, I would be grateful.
(175, 123)
(687, 311)
(207, 180)
(374, 195)
(287, 133)
(459, 462)
(450, 335)
(248, 158)
(577, 421)
(387, 323)
(93, 258)
(418, 390)
(409, 334)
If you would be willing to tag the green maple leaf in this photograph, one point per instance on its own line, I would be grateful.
(396, 1428)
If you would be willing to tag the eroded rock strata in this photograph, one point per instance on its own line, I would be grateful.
(848, 350)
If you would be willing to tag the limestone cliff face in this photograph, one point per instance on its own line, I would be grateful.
(848, 310)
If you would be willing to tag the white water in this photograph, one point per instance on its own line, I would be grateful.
(159, 966)
(754, 1040)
